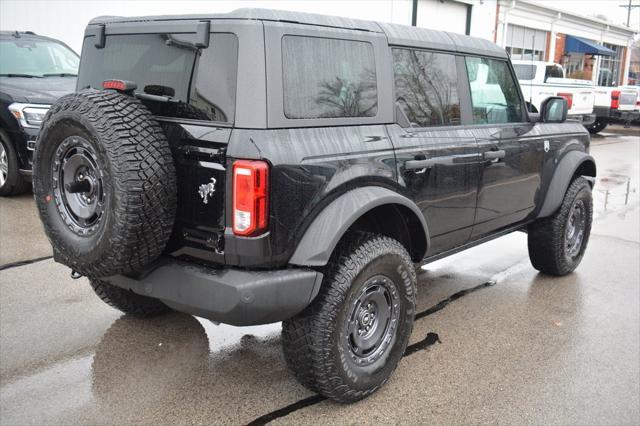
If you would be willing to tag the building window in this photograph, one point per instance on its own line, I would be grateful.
(610, 67)
(426, 85)
(574, 64)
(328, 78)
(526, 43)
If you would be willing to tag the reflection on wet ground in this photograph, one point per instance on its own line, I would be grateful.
(493, 342)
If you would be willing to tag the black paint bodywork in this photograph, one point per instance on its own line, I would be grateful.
(463, 196)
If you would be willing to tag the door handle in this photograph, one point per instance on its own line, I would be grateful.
(421, 165)
(494, 155)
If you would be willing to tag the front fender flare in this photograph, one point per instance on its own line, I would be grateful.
(324, 233)
(561, 179)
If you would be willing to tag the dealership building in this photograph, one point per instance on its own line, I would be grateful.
(587, 47)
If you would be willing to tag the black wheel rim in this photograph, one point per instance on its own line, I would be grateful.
(78, 185)
(576, 224)
(373, 320)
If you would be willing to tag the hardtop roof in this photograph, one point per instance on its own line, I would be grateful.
(396, 34)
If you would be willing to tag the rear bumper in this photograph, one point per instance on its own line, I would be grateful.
(627, 115)
(585, 119)
(231, 296)
(610, 115)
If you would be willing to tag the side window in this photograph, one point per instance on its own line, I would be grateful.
(426, 87)
(494, 92)
(328, 78)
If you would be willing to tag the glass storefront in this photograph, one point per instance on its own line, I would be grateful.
(610, 67)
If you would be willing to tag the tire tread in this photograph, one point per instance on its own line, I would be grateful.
(307, 336)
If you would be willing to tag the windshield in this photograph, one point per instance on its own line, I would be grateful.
(36, 58)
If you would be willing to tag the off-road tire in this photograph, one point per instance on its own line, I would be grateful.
(547, 237)
(127, 301)
(313, 341)
(138, 182)
(15, 183)
(597, 127)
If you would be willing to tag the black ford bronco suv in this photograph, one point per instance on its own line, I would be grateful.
(264, 166)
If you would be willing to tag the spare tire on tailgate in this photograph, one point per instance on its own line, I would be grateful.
(104, 183)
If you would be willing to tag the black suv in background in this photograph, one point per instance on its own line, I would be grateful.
(34, 72)
(264, 166)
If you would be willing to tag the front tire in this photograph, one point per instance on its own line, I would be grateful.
(11, 181)
(557, 243)
(127, 301)
(348, 342)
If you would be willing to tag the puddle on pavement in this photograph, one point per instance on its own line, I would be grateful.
(225, 337)
(614, 191)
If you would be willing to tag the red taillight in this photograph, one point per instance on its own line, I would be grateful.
(615, 99)
(119, 85)
(250, 197)
(568, 97)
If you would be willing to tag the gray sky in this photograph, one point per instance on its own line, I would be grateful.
(609, 8)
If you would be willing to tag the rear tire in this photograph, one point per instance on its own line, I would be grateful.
(557, 243)
(11, 181)
(127, 301)
(348, 342)
(597, 127)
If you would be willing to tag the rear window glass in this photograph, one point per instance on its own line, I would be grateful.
(524, 72)
(553, 71)
(328, 78)
(163, 64)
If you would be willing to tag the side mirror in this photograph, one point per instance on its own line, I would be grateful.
(554, 109)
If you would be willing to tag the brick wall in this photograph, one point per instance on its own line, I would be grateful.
(560, 40)
(547, 46)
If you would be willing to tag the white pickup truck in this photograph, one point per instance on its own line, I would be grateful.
(539, 80)
(615, 104)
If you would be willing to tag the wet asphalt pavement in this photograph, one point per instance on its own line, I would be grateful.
(494, 341)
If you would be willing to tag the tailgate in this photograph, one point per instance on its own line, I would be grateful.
(627, 100)
(582, 101)
(199, 153)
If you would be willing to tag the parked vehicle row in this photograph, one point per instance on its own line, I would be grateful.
(263, 166)
(615, 105)
(594, 106)
(539, 80)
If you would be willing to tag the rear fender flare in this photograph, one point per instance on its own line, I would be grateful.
(324, 233)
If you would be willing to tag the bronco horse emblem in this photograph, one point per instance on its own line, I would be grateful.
(207, 190)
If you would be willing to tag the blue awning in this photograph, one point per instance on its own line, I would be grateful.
(582, 45)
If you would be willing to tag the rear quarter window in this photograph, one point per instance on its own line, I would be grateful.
(328, 78)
